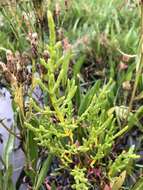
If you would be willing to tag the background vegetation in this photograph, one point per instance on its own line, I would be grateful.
(85, 57)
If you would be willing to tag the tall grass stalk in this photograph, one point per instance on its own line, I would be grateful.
(139, 65)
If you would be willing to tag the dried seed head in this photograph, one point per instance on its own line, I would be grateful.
(104, 39)
(60, 34)
(25, 59)
(66, 44)
(18, 66)
(85, 40)
(17, 56)
(126, 85)
(3, 66)
(10, 61)
(67, 4)
(34, 36)
(24, 16)
(29, 36)
(42, 69)
(125, 58)
(21, 76)
(34, 39)
(122, 66)
(29, 78)
(57, 9)
(9, 55)
(34, 52)
(18, 61)
(10, 78)
(46, 55)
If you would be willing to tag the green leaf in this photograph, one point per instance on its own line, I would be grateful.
(1, 180)
(118, 181)
(51, 28)
(8, 184)
(32, 149)
(88, 97)
(78, 94)
(43, 172)
(78, 65)
(138, 185)
(8, 150)
(65, 66)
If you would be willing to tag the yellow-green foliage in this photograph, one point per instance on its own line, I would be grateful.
(68, 133)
